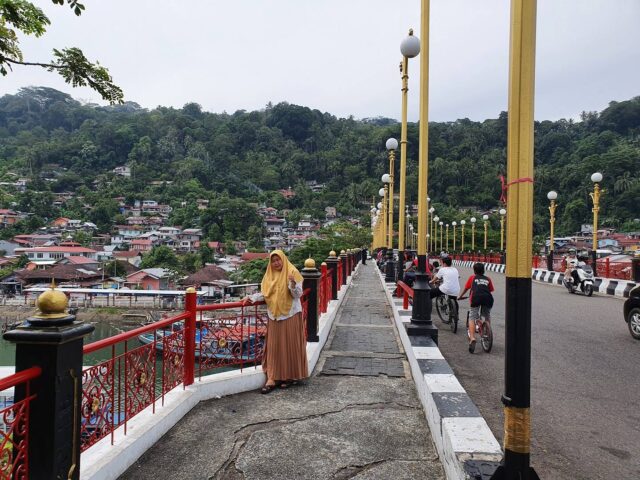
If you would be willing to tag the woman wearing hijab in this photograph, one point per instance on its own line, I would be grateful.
(284, 359)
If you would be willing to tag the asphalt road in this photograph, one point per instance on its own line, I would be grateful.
(585, 382)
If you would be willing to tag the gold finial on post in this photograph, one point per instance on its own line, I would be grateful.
(52, 303)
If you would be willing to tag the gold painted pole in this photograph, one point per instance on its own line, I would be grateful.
(384, 217)
(517, 393)
(473, 236)
(454, 236)
(441, 232)
(447, 237)
(552, 222)
(392, 157)
(462, 222)
(423, 157)
(404, 68)
(486, 224)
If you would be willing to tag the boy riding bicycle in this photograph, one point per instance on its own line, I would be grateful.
(479, 298)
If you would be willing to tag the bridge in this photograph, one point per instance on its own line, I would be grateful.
(179, 397)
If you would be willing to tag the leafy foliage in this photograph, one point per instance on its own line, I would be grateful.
(238, 161)
(24, 17)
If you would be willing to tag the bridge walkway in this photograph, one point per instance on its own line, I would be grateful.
(358, 415)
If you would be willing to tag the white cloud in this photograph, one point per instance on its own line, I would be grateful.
(342, 56)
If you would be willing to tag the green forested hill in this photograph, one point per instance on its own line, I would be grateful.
(246, 156)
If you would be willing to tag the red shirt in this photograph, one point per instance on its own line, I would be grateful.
(469, 284)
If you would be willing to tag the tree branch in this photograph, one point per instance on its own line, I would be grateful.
(32, 64)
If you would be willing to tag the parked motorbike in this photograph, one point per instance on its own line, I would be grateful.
(584, 281)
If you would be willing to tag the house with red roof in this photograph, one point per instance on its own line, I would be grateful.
(141, 245)
(50, 255)
(248, 256)
(217, 247)
(149, 279)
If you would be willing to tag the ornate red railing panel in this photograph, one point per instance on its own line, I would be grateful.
(235, 338)
(14, 427)
(120, 387)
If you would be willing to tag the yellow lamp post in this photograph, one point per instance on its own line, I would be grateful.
(383, 210)
(503, 212)
(517, 373)
(447, 238)
(596, 178)
(435, 238)
(392, 146)
(430, 231)
(441, 224)
(454, 234)
(409, 47)
(473, 234)
(552, 196)
(462, 224)
(485, 220)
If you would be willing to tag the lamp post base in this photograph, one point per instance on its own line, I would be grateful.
(421, 323)
(390, 267)
(550, 262)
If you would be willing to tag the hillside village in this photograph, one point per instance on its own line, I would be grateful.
(72, 252)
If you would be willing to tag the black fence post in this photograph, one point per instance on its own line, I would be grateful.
(52, 340)
(332, 264)
(311, 281)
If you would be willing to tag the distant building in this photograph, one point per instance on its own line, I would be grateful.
(331, 212)
(123, 171)
(8, 217)
(287, 193)
(149, 279)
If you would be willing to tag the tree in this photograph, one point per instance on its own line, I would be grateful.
(160, 257)
(21, 16)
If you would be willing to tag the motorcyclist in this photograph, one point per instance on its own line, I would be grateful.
(571, 262)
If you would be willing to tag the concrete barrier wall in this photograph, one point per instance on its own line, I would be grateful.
(463, 439)
(605, 286)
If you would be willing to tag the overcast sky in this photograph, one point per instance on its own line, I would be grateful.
(341, 56)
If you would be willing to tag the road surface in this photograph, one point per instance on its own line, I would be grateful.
(585, 392)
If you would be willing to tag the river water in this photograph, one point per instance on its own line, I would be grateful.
(103, 328)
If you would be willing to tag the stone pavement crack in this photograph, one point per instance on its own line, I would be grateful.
(276, 422)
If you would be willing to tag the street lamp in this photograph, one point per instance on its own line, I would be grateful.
(462, 224)
(596, 178)
(441, 231)
(454, 234)
(503, 212)
(447, 238)
(421, 323)
(383, 220)
(473, 234)
(409, 47)
(435, 238)
(485, 220)
(392, 146)
(552, 196)
(430, 229)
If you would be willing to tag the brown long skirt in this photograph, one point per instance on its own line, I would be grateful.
(285, 351)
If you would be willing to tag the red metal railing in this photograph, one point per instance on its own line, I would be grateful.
(234, 339)
(115, 390)
(148, 362)
(14, 426)
(407, 293)
(605, 267)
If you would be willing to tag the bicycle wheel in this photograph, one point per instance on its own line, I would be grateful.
(443, 309)
(453, 316)
(486, 336)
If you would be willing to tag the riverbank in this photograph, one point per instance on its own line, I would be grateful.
(13, 313)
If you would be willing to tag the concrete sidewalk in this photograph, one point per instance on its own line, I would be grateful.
(358, 415)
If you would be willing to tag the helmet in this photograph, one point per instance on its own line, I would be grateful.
(572, 251)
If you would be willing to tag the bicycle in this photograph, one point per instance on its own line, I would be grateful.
(447, 310)
(483, 328)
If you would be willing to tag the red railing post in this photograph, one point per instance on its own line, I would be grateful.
(324, 285)
(607, 265)
(405, 300)
(190, 302)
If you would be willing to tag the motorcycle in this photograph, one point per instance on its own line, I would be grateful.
(584, 282)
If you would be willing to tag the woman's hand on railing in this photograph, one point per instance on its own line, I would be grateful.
(247, 300)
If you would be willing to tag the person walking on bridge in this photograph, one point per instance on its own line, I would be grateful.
(284, 360)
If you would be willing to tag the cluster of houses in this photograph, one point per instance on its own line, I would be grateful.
(49, 258)
(609, 242)
(284, 235)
